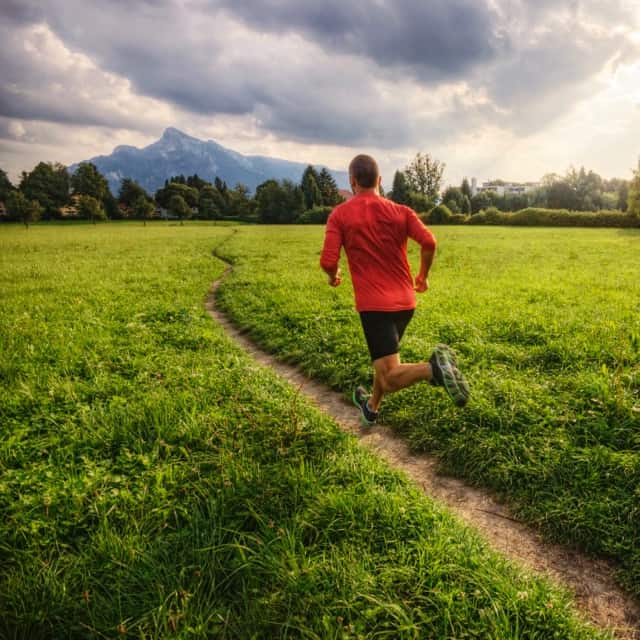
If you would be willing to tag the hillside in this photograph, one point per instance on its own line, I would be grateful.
(176, 153)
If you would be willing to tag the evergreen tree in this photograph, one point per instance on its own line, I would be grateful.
(310, 189)
(220, 185)
(5, 186)
(466, 189)
(400, 189)
(197, 182)
(328, 188)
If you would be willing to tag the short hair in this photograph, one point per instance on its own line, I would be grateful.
(364, 169)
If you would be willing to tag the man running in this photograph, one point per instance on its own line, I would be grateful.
(374, 232)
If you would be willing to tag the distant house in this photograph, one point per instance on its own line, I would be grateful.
(503, 188)
(71, 210)
(165, 214)
(3, 210)
(347, 195)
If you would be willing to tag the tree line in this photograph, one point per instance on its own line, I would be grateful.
(49, 192)
(419, 186)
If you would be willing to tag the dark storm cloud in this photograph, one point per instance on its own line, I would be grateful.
(435, 40)
(322, 72)
(21, 11)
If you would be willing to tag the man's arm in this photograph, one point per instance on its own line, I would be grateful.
(423, 236)
(330, 256)
(426, 260)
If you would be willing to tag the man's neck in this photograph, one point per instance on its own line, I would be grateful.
(368, 192)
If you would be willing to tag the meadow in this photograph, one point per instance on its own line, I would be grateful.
(546, 323)
(155, 482)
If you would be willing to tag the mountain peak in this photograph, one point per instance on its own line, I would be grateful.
(171, 133)
(177, 153)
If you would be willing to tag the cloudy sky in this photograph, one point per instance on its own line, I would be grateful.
(493, 88)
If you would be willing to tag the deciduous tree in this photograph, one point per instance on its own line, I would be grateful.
(91, 208)
(424, 175)
(179, 207)
(453, 198)
(480, 201)
(48, 183)
(129, 192)
(19, 208)
(188, 194)
(240, 203)
(143, 209)
(211, 204)
(88, 181)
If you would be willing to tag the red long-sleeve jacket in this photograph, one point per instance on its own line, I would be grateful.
(374, 232)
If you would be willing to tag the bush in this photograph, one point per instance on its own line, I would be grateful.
(563, 218)
(537, 217)
(490, 215)
(459, 218)
(439, 215)
(419, 202)
(315, 215)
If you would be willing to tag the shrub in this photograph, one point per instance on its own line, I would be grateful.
(563, 218)
(439, 215)
(459, 218)
(315, 215)
(490, 215)
(534, 216)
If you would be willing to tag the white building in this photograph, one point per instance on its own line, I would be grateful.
(503, 188)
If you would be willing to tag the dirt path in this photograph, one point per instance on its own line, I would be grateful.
(591, 580)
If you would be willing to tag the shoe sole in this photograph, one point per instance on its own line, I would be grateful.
(363, 420)
(454, 382)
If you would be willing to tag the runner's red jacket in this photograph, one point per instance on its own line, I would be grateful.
(374, 232)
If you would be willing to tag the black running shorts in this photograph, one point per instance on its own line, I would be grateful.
(383, 330)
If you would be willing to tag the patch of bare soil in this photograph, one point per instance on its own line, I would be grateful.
(590, 580)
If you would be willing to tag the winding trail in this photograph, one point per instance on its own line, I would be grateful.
(590, 580)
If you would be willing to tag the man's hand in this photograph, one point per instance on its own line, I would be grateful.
(422, 283)
(336, 279)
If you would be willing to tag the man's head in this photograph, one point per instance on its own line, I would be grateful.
(363, 173)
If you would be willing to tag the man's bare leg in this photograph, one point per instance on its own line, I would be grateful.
(391, 375)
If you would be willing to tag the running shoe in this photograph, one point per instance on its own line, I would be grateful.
(446, 374)
(360, 399)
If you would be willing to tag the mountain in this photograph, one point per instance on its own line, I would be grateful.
(176, 153)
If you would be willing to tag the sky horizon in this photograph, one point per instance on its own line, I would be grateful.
(509, 89)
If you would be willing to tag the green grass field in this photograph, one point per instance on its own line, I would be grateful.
(155, 482)
(547, 326)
